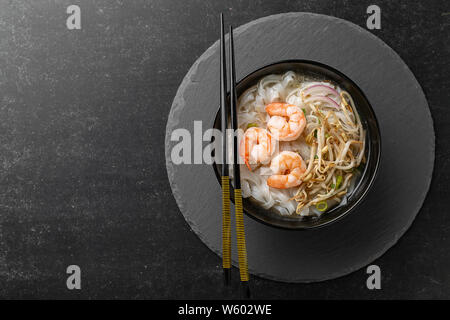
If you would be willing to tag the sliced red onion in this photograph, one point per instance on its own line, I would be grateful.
(330, 102)
(321, 90)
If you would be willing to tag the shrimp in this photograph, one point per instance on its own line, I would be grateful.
(288, 168)
(287, 121)
(257, 146)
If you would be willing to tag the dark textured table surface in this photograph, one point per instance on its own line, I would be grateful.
(82, 170)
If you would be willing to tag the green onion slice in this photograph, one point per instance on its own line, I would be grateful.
(322, 206)
(252, 125)
(338, 182)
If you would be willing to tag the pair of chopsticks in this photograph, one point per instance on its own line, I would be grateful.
(226, 222)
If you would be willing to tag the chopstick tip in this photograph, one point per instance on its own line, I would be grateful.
(226, 276)
(245, 290)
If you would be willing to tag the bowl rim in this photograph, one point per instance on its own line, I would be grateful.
(368, 186)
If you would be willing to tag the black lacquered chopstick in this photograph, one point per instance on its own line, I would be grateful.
(239, 212)
(226, 222)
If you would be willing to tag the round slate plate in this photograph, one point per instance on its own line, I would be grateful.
(407, 157)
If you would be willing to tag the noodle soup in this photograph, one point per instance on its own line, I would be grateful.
(303, 145)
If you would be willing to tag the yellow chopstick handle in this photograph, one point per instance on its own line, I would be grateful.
(240, 232)
(226, 223)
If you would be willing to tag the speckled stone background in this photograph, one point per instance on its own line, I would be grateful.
(82, 170)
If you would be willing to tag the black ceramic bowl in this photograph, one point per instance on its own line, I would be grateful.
(373, 147)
